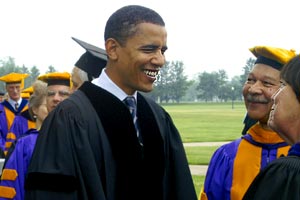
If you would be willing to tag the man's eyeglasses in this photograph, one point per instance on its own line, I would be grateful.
(62, 93)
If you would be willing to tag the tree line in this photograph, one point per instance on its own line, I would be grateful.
(172, 85)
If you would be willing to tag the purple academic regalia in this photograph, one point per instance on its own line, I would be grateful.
(18, 160)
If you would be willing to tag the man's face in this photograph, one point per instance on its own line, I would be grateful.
(137, 63)
(14, 90)
(56, 94)
(261, 84)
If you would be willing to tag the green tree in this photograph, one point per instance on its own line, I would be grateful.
(171, 83)
(179, 83)
(160, 92)
(208, 86)
(246, 69)
(191, 94)
(51, 69)
(34, 72)
(238, 87)
(7, 65)
(212, 86)
(222, 89)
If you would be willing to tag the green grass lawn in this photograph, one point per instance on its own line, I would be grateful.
(198, 183)
(202, 122)
(206, 122)
(199, 155)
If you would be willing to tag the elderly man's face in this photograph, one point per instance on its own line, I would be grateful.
(56, 94)
(14, 91)
(261, 84)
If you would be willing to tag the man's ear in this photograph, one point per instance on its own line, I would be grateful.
(111, 46)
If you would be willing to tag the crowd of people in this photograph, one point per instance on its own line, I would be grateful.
(92, 134)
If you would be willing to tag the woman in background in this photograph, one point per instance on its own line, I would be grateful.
(19, 155)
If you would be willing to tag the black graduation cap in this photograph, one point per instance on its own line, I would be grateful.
(93, 60)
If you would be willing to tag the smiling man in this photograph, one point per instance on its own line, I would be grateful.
(234, 165)
(108, 141)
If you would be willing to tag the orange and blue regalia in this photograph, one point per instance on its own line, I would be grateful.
(236, 168)
(12, 123)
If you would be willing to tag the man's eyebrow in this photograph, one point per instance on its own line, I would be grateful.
(149, 46)
(152, 46)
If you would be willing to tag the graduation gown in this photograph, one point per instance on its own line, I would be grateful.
(12, 123)
(235, 165)
(15, 166)
(279, 180)
(88, 149)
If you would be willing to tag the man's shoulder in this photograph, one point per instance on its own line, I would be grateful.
(229, 148)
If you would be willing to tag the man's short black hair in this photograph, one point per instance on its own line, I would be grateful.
(121, 25)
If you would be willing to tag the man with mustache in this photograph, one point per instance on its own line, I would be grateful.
(234, 165)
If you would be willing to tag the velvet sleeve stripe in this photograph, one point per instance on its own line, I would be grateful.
(11, 136)
(8, 145)
(51, 182)
(9, 174)
(7, 192)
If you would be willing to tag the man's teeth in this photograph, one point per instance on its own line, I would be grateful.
(151, 73)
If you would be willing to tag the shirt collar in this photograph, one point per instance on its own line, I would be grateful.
(12, 102)
(106, 83)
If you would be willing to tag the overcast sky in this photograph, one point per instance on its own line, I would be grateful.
(206, 35)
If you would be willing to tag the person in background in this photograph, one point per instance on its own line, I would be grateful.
(12, 123)
(280, 179)
(2, 96)
(18, 158)
(100, 144)
(234, 165)
(27, 92)
(89, 65)
(2, 140)
(59, 87)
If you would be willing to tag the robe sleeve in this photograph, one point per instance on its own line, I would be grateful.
(13, 174)
(63, 165)
(218, 178)
(52, 167)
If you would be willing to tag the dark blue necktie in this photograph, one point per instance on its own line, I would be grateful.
(16, 106)
(131, 104)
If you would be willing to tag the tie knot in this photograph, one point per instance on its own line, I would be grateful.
(131, 105)
(16, 106)
(130, 101)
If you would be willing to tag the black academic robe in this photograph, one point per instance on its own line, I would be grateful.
(87, 149)
(279, 180)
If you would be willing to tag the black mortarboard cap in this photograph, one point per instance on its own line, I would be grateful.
(93, 60)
